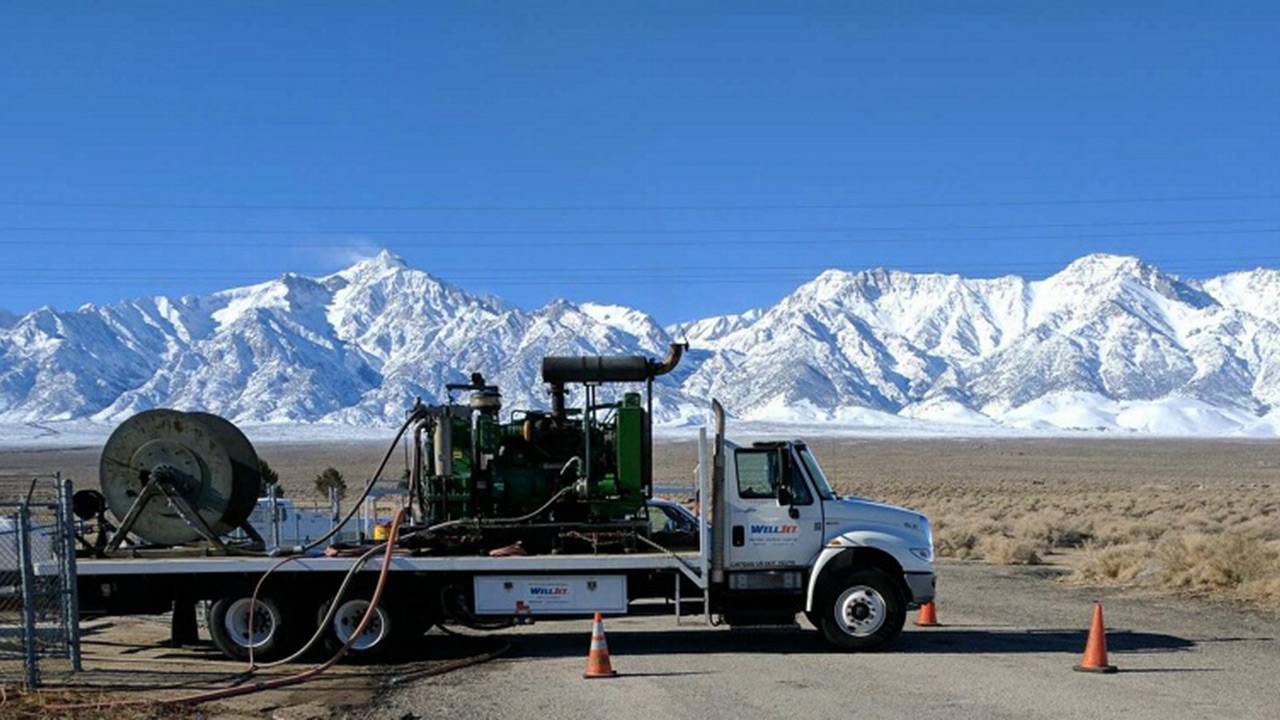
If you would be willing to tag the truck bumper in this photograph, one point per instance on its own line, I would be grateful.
(922, 585)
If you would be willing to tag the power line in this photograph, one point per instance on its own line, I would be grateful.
(580, 243)
(1137, 200)
(617, 231)
(470, 269)
(691, 276)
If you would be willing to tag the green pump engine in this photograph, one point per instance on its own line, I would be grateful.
(470, 463)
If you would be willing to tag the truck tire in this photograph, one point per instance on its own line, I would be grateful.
(374, 642)
(229, 627)
(863, 611)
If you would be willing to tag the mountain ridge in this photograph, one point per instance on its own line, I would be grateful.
(1109, 342)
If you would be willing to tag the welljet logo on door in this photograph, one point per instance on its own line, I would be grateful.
(548, 590)
(763, 534)
(774, 529)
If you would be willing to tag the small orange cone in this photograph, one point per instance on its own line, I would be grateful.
(928, 616)
(1095, 648)
(523, 616)
(598, 665)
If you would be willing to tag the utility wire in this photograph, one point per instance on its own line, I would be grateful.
(503, 273)
(608, 231)
(691, 280)
(1134, 200)
(355, 237)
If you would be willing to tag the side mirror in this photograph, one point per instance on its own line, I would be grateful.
(784, 495)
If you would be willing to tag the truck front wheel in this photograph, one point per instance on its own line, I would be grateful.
(862, 611)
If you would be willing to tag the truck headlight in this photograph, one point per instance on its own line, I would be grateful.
(925, 554)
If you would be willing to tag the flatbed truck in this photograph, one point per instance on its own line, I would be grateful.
(776, 542)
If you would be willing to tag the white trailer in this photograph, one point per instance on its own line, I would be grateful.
(779, 542)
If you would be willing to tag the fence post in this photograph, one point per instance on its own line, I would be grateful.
(71, 591)
(29, 637)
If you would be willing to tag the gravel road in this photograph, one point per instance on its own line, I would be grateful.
(1010, 638)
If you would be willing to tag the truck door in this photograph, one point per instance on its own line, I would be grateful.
(775, 517)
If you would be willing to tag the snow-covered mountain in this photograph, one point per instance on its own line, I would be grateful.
(1107, 343)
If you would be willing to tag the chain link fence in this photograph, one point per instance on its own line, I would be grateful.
(39, 610)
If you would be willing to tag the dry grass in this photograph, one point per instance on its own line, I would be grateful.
(1005, 550)
(1188, 516)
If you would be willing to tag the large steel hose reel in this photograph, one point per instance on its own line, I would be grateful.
(174, 477)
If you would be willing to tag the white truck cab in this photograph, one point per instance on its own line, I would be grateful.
(789, 543)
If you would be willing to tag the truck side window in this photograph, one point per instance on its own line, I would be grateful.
(757, 474)
(660, 521)
(799, 488)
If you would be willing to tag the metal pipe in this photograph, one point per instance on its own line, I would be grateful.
(675, 351)
(415, 471)
(719, 515)
(587, 415)
(608, 368)
(557, 400)
(442, 444)
(677, 595)
(704, 552)
(275, 515)
(335, 514)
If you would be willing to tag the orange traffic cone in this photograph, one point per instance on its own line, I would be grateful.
(928, 616)
(598, 665)
(523, 616)
(1095, 648)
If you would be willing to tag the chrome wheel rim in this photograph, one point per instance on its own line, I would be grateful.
(236, 623)
(860, 611)
(347, 619)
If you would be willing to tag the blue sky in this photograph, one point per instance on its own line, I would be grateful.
(684, 158)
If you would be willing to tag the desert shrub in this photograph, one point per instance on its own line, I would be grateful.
(1050, 529)
(960, 538)
(954, 542)
(1262, 591)
(1007, 551)
(1114, 531)
(1204, 563)
(1113, 563)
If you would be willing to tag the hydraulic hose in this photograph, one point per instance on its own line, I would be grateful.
(387, 547)
(323, 625)
(355, 507)
(295, 679)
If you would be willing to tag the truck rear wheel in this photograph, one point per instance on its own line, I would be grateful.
(373, 642)
(864, 611)
(229, 626)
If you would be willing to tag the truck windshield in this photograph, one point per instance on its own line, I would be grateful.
(816, 474)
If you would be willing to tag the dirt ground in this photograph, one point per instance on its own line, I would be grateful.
(130, 657)
(1008, 641)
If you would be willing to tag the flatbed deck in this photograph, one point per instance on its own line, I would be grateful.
(688, 563)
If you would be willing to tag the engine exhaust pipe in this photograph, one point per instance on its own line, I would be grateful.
(561, 369)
